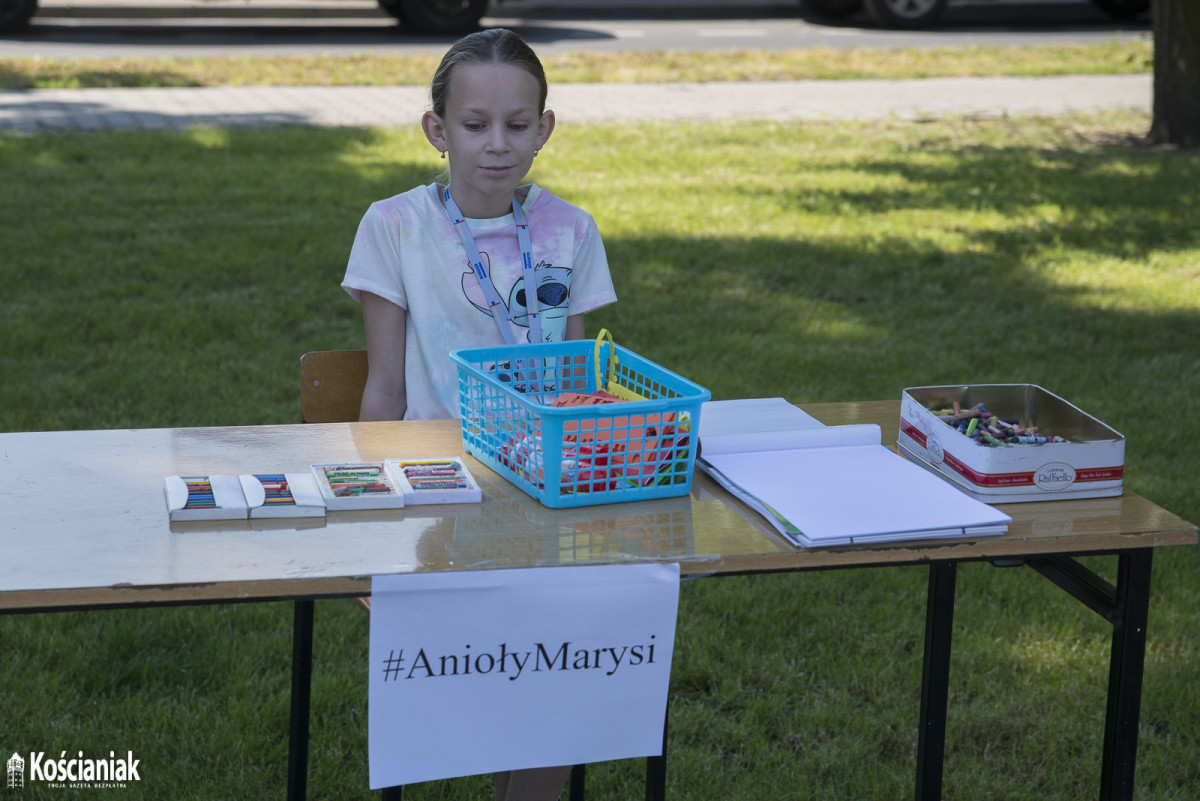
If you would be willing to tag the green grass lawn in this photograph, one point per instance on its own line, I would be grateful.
(374, 69)
(174, 279)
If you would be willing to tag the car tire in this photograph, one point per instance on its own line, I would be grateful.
(15, 14)
(438, 16)
(391, 7)
(906, 13)
(1122, 9)
(832, 9)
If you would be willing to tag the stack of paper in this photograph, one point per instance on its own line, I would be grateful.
(831, 485)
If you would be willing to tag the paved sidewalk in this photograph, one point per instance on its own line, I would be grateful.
(98, 109)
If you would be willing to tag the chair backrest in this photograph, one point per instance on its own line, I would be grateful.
(331, 385)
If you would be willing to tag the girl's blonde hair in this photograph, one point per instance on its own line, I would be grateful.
(492, 46)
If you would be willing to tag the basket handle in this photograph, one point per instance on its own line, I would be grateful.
(604, 373)
(606, 376)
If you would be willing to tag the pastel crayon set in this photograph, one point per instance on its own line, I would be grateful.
(217, 497)
(358, 485)
(275, 495)
(342, 486)
(229, 497)
(426, 481)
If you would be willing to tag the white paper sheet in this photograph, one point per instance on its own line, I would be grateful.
(724, 423)
(832, 484)
(857, 493)
(480, 671)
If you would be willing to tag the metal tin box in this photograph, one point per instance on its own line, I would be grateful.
(1089, 464)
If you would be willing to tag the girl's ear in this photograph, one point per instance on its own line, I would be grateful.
(435, 130)
(545, 127)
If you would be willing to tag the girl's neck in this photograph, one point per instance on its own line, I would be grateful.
(475, 209)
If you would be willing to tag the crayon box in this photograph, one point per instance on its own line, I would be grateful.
(1070, 454)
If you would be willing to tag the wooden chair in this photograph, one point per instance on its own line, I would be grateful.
(331, 388)
(331, 385)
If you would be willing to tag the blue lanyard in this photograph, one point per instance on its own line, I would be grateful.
(499, 309)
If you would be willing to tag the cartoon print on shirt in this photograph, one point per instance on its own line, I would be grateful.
(553, 295)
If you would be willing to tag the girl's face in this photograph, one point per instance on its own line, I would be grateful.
(490, 130)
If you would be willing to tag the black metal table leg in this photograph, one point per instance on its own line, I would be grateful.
(656, 769)
(577, 783)
(302, 637)
(1125, 674)
(935, 680)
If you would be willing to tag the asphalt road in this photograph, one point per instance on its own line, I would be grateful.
(98, 28)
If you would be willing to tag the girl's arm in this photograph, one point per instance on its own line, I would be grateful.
(574, 327)
(384, 397)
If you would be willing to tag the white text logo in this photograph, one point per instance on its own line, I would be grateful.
(1054, 476)
(75, 772)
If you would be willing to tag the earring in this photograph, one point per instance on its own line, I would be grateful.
(443, 155)
(535, 153)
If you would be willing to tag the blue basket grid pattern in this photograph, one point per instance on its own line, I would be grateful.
(582, 455)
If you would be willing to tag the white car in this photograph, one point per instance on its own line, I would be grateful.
(926, 13)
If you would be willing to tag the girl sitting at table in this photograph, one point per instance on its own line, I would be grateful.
(478, 260)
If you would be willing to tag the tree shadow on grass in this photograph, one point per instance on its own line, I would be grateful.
(165, 257)
(834, 321)
(176, 278)
(1091, 196)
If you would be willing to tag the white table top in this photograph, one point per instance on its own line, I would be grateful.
(85, 521)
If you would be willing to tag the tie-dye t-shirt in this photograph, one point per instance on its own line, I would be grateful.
(407, 251)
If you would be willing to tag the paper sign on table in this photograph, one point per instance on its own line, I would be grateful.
(481, 671)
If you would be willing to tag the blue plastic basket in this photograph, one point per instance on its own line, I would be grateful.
(579, 455)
